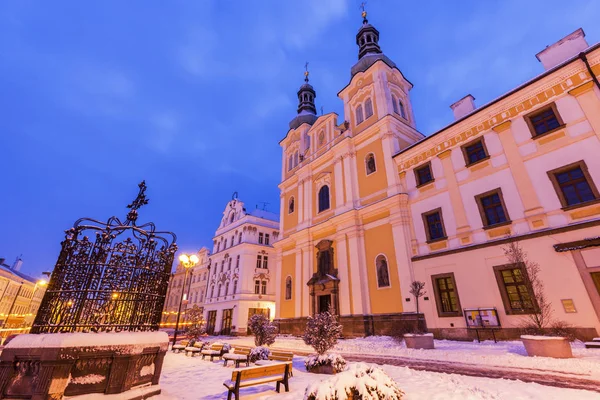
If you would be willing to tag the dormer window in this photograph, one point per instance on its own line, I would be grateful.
(368, 108)
(359, 115)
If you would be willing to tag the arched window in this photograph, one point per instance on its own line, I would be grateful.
(233, 240)
(234, 287)
(212, 291)
(395, 104)
(324, 198)
(237, 262)
(232, 217)
(291, 205)
(383, 273)
(226, 288)
(229, 264)
(402, 110)
(291, 162)
(219, 290)
(296, 159)
(288, 288)
(359, 115)
(368, 108)
(370, 163)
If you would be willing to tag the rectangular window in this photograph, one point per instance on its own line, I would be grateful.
(237, 262)
(258, 261)
(544, 121)
(267, 238)
(423, 174)
(260, 238)
(264, 287)
(573, 184)
(492, 209)
(474, 152)
(434, 225)
(265, 262)
(446, 295)
(256, 287)
(514, 289)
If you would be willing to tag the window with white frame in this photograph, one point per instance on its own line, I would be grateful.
(267, 238)
(256, 287)
(260, 238)
(237, 262)
(234, 286)
(259, 261)
(265, 262)
(263, 287)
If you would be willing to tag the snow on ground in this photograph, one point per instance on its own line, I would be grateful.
(187, 378)
(510, 354)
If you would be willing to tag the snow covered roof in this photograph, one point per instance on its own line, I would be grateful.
(17, 273)
(264, 215)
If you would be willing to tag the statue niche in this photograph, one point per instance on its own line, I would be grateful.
(324, 284)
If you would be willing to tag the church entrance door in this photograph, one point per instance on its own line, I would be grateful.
(324, 303)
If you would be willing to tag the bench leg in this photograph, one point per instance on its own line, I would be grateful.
(225, 362)
(229, 394)
(277, 387)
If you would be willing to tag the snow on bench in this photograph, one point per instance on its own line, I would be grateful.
(214, 351)
(252, 376)
(240, 354)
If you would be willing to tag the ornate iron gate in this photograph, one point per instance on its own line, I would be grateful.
(109, 276)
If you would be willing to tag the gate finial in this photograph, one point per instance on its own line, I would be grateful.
(135, 205)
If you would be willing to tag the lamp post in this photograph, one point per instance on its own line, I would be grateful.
(187, 262)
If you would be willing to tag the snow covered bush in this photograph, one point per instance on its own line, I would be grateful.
(336, 361)
(322, 332)
(263, 330)
(360, 381)
(259, 353)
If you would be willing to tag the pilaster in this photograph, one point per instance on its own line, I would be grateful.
(343, 273)
(359, 279)
(387, 143)
(401, 233)
(462, 224)
(587, 96)
(307, 272)
(339, 184)
(297, 282)
(534, 212)
(300, 202)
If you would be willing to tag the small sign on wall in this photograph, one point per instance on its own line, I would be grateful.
(569, 306)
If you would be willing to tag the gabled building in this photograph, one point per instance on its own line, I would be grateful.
(241, 278)
(369, 204)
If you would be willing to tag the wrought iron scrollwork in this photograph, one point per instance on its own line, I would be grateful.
(109, 276)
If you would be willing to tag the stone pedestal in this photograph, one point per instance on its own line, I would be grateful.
(52, 366)
(547, 346)
(416, 341)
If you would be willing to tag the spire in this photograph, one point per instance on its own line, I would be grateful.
(307, 112)
(369, 51)
(367, 37)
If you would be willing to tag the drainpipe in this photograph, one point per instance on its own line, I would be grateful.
(587, 64)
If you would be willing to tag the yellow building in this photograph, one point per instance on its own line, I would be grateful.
(20, 298)
(369, 205)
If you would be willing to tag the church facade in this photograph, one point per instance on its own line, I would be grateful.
(369, 204)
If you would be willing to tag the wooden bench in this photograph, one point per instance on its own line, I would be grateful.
(278, 356)
(214, 351)
(240, 354)
(194, 349)
(594, 344)
(180, 346)
(251, 376)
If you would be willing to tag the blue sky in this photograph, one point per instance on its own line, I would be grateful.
(194, 96)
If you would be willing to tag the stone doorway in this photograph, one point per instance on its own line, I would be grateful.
(324, 284)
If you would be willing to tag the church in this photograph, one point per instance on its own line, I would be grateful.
(369, 204)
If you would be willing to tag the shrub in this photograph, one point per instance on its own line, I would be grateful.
(263, 330)
(322, 332)
(259, 353)
(335, 360)
(363, 381)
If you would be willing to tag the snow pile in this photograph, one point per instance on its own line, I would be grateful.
(361, 380)
(259, 353)
(335, 360)
(79, 339)
(87, 379)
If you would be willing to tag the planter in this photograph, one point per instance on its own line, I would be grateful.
(416, 341)
(547, 346)
(322, 369)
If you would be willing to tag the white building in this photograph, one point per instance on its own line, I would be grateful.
(241, 279)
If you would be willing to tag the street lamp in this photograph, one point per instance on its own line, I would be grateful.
(187, 262)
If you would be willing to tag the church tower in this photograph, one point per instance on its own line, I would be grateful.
(345, 233)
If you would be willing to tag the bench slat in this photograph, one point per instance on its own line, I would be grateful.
(260, 371)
